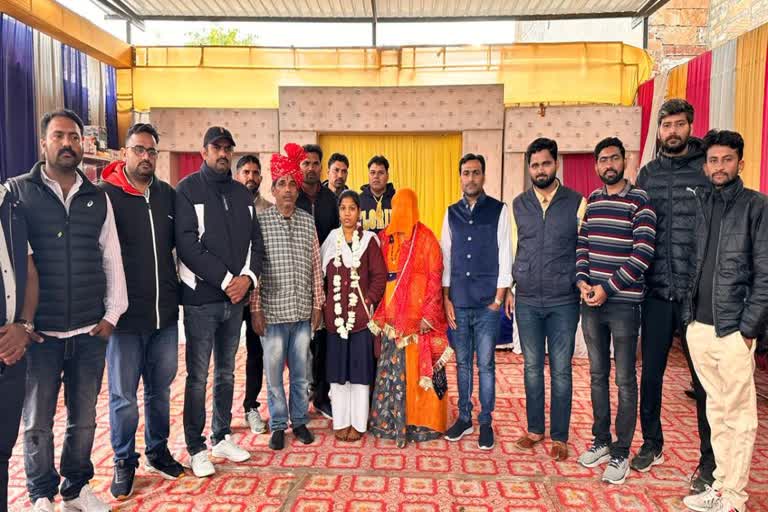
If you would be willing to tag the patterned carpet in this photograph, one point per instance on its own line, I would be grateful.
(373, 475)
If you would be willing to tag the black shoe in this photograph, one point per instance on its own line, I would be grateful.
(303, 434)
(122, 480)
(324, 409)
(486, 437)
(701, 480)
(164, 464)
(459, 430)
(277, 441)
(645, 459)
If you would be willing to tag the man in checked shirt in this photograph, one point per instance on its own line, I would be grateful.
(286, 307)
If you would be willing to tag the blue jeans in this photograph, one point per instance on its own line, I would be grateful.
(622, 321)
(281, 342)
(553, 328)
(78, 363)
(477, 330)
(210, 328)
(152, 357)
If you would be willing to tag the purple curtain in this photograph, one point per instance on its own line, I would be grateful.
(110, 97)
(73, 69)
(18, 139)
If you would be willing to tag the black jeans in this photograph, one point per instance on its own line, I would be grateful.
(12, 384)
(318, 386)
(254, 364)
(620, 321)
(661, 319)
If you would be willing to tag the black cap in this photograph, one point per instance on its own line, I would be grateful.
(215, 133)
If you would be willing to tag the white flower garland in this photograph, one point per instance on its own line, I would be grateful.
(344, 328)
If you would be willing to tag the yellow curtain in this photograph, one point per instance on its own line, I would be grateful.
(429, 164)
(677, 82)
(750, 92)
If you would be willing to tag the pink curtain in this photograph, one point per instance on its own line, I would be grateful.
(579, 173)
(645, 102)
(697, 91)
(764, 158)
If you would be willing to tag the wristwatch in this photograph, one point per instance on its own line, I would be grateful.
(27, 325)
(497, 301)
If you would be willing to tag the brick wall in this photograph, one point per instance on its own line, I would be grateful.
(728, 19)
(678, 32)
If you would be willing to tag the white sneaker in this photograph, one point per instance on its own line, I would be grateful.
(86, 502)
(255, 422)
(227, 449)
(202, 465)
(43, 505)
(703, 502)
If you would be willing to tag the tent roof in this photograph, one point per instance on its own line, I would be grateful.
(372, 11)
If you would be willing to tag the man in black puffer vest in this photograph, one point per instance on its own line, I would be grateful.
(726, 309)
(75, 247)
(668, 180)
(220, 248)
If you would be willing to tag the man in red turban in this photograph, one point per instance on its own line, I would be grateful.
(287, 305)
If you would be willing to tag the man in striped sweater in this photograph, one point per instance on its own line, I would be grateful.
(616, 244)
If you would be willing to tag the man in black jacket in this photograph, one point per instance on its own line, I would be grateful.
(668, 179)
(376, 196)
(144, 344)
(321, 203)
(726, 309)
(19, 287)
(220, 262)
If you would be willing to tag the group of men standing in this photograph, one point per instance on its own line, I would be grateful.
(682, 252)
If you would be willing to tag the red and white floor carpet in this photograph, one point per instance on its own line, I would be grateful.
(373, 475)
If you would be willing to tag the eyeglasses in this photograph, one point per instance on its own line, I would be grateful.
(141, 151)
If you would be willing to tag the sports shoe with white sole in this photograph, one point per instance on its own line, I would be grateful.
(85, 502)
(598, 454)
(227, 449)
(202, 465)
(616, 471)
(255, 421)
(43, 505)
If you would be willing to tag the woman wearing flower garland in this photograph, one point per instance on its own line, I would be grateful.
(408, 402)
(355, 279)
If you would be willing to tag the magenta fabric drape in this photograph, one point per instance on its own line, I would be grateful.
(697, 91)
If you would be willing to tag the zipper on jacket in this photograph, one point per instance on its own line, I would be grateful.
(670, 298)
(154, 256)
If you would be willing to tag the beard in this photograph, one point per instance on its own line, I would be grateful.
(613, 178)
(543, 180)
(676, 148)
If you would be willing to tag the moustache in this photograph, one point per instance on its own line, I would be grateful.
(64, 151)
(223, 160)
(542, 176)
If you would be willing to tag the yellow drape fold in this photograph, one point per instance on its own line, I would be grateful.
(429, 164)
(750, 93)
(677, 82)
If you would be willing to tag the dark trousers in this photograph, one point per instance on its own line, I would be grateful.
(77, 363)
(254, 364)
(319, 387)
(661, 319)
(12, 383)
(620, 322)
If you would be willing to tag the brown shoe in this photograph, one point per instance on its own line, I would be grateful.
(559, 451)
(354, 435)
(342, 434)
(528, 441)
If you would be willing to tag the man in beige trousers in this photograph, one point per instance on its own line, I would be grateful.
(726, 310)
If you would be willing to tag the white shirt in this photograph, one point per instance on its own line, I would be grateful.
(8, 270)
(116, 298)
(503, 240)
